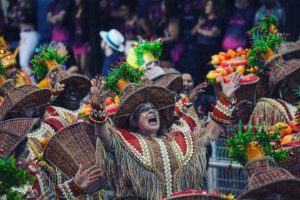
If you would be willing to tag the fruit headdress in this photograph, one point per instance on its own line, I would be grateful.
(144, 52)
(265, 41)
(46, 59)
(253, 142)
(122, 74)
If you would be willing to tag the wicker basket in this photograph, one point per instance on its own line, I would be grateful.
(267, 180)
(70, 147)
(245, 92)
(193, 195)
(285, 77)
(259, 164)
(263, 89)
(293, 162)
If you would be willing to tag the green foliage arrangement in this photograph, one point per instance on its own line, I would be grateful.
(2, 70)
(12, 176)
(297, 93)
(43, 53)
(264, 37)
(122, 71)
(154, 47)
(269, 142)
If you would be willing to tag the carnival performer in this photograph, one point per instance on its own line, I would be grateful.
(144, 154)
(9, 62)
(30, 101)
(14, 141)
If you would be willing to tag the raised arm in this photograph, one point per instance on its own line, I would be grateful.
(222, 113)
(98, 114)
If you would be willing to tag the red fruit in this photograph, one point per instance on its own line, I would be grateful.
(225, 55)
(112, 110)
(295, 126)
(108, 101)
(248, 78)
(228, 69)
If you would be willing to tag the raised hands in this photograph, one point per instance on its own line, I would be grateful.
(230, 88)
(90, 180)
(96, 90)
(196, 91)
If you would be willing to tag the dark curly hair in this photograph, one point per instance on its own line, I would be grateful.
(144, 107)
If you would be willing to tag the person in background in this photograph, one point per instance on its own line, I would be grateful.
(240, 21)
(133, 25)
(81, 46)
(207, 32)
(271, 7)
(169, 32)
(112, 45)
(57, 16)
(24, 14)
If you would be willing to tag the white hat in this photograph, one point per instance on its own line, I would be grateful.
(114, 39)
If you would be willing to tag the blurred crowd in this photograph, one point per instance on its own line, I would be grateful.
(191, 30)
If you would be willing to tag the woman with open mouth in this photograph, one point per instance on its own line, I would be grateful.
(144, 152)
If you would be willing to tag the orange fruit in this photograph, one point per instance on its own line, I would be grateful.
(240, 69)
(2, 79)
(254, 151)
(122, 83)
(287, 139)
(225, 55)
(221, 71)
(284, 128)
(212, 75)
(221, 58)
(231, 53)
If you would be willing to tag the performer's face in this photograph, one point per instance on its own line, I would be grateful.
(188, 83)
(70, 98)
(148, 120)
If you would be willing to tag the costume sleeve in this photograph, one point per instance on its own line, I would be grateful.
(185, 110)
(67, 190)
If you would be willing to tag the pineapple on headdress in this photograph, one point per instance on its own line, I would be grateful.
(46, 59)
(143, 52)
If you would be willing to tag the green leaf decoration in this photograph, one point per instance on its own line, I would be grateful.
(12, 176)
(297, 93)
(264, 38)
(43, 53)
(2, 70)
(269, 142)
(122, 71)
(154, 47)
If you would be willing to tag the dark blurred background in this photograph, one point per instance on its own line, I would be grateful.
(76, 23)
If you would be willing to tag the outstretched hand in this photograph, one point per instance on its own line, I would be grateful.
(58, 87)
(230, 88)
(96, 89)
(90, 180)
(197, 90)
